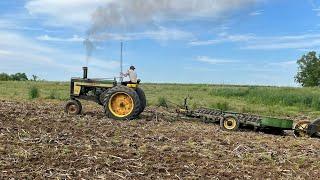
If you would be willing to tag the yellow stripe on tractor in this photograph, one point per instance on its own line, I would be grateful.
(78, 85)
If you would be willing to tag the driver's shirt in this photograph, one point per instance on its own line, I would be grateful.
(133, 76)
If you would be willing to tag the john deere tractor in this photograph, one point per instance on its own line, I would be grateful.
(121, 101)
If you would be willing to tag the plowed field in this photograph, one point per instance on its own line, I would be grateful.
(38, 140)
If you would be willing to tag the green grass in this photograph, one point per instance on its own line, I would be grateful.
(269, 101)
(20, 90)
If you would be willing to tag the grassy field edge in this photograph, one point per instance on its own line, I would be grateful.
(263, 100)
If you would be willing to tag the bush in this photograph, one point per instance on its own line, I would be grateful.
(162, 102)
(34, 93)
(224, 106)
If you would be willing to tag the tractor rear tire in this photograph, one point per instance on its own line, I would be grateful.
(229, 123)
(317, 132)
(143, 99)
(73, 107)
(102, 96)
(121, 103)
(317, 122)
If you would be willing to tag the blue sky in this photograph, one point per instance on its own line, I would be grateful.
(254, 42)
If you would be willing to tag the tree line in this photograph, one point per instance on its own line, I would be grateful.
(17, 77)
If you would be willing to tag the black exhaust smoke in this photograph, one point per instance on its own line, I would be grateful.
(85, 72)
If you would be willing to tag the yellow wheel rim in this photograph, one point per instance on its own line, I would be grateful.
(121, 104)
(230, 123)
(301, 128)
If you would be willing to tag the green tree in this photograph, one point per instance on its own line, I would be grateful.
(34, 77)
(309, 70)
(4, 77)
(19, 77)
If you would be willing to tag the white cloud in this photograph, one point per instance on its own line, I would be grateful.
(161, 34)
(283, 64)
(205, 42)
(15, 42)
(246, 66)
(164, 34)
(310, 49)
(133, 13)
(254, 42)
(209, 60)
(236, 37)
(11, 25)
(7, 24)
(74, 38)
(223, 38)
(256, 13)
(5, 52)
(19, 53)
(285, 42)
(79, 13)
(65, 12)
(98, 63)
(317, 10)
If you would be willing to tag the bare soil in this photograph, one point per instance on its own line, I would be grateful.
(39, 141)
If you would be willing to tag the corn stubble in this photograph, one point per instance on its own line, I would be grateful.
(38, 140)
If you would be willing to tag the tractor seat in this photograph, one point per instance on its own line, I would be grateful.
(129, 82)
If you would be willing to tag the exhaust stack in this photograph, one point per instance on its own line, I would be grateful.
(85, 72)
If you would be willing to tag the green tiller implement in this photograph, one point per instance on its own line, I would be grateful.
(231, 121)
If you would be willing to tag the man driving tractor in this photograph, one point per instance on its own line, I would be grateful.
(132, 76)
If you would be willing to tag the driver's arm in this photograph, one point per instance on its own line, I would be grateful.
(125, 74)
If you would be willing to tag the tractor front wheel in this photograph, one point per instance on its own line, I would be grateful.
(121, 103)
(73, 107)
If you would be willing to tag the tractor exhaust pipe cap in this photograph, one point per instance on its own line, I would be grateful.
(85, 72)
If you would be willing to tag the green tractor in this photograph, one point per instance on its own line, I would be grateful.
(121, 101)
